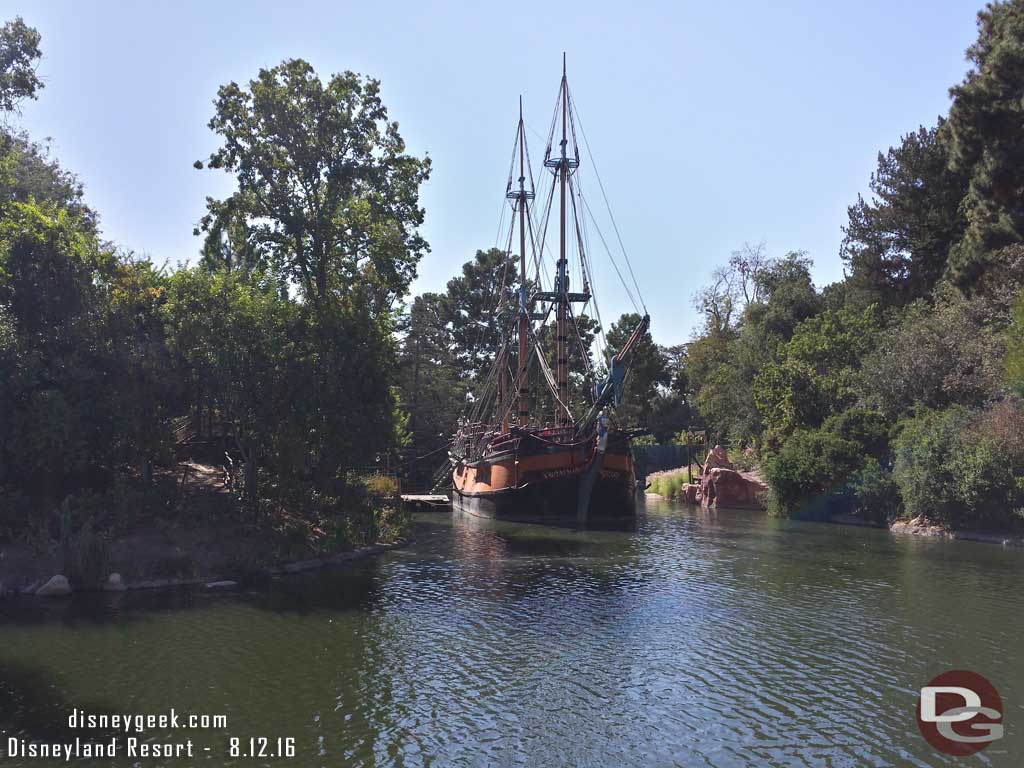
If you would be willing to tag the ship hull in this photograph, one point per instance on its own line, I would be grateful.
(534, 480)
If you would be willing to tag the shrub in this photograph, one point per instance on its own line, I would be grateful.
(964, 468)
(808, 475)
(876, 497)
(869, 429)
(927, 449)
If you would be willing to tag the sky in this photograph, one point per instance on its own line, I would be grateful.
(712, 124)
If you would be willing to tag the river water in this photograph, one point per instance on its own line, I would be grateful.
(694, 639)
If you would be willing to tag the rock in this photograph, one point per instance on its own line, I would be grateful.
(689, 493)
(58, 586)
(115, 583)
(300, 566)
(721, 487)
(716, 458)
(919, 526)
(30, 589)
(225, 584)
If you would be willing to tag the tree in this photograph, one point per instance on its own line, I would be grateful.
(986, 126)
(722, 366)
(325, 188)
(56, 408)
(734, 287)
(27, 172)
(479, 306)
(896, 245)
(432, 390)
(1014, 363)
(935, 356)
(648, 371)
(817, 374)
(19, 52)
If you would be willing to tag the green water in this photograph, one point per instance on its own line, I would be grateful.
(695, 639)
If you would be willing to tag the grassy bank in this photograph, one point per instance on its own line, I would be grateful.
(189, 523)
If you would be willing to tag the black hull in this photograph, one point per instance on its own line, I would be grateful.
(552, 500)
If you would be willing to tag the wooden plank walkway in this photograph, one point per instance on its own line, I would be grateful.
(426, 499)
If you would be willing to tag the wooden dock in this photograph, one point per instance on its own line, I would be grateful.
(425, 500)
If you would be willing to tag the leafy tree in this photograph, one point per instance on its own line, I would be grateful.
(936, 356)
(734, 286)
(27, 173)
(479, 307)
(786, 298)
(146, 388)
(431, 391)
(963, 467)
(325, 187)
(809, 473)
(55, 403)
(896, 245)
(1015, 348)
(986, 123)
(648, 371)
(817, 375)
(19, 52)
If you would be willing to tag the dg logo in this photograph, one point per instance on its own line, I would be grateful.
(960, 713)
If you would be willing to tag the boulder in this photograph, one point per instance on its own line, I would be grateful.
(58, 586)
(690, 493)
(716, 458)
(721, 487)
(115, 583)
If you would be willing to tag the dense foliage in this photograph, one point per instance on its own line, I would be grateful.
(289, 356)
(890, 393)
(273, 360)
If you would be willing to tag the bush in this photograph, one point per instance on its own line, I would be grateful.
(964, 468)
(869, 429)
(808, 475)
(876, 497)
(926, 452)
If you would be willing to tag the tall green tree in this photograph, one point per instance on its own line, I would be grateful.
(57, 415)
(479, 308)
(986, 142)
(432, 388)
(897, 243)
(325, 186)
(647, 373)
(936, 356)
(817, 375)
(19, 54)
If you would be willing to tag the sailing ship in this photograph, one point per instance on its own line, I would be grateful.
(534, 447)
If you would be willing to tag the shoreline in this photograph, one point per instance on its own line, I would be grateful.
(915, 527)
(211, 581)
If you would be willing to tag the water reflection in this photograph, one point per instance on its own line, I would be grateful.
(699, 638)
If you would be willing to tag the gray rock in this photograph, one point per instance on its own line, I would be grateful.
(303, 565)
(57, 586)
(226, 584)
(30, 589)
(115, 583)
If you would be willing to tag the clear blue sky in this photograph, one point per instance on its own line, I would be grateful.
(712, 123)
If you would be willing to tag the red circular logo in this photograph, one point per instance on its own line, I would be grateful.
(960, 713)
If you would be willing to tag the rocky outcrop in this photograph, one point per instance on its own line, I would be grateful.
(919, 526)
(717, 457)
(690, 493)
(58, 586)
(721, 487)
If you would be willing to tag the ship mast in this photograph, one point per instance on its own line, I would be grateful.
(562, 416)
(524, 319)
